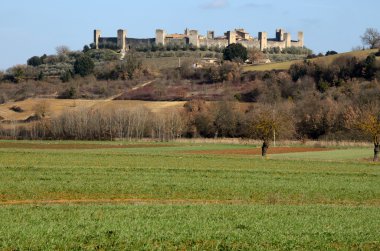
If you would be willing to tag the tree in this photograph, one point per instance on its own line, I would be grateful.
(34, 61)
(18, 72)
(371, 37)
(86, 48)
(235, 52)
(84, 66)
(267, 123)
(263, 127)
(370, 67)
(328, 53)
(255, 55)
(130, 65)
(62, 50)
(226, 119)
(369, 123)
(41, 109)
(66, 76)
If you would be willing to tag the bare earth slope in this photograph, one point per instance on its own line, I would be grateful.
(57, 106)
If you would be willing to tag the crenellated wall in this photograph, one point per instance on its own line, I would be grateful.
(192, 37)
(209, 43)
(250, 43)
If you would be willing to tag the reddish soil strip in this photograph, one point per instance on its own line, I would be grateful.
(122, 201)
(257, 151)
(74, 146)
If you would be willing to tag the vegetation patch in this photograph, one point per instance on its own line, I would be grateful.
(257, 151)
(18, 145)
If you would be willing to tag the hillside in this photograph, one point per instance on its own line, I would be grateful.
(323, 60)
(54, 107)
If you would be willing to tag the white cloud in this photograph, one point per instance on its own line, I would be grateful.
(215, 4)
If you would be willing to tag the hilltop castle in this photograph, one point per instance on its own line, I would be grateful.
(192, 37)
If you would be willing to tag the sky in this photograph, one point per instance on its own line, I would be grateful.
(36, 27)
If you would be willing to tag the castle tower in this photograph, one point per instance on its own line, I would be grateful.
(121, 39)
(97, 34)
(210, 34)
(160, 37)
(288, 40)
(187, 32)
(280, 34)
(263, 38)
(194, 38)
(301, 42)
(231, 36)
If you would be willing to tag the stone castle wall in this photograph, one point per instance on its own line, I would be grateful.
(212, 43)
(250, 43)
(192, 37)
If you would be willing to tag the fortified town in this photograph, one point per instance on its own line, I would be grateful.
(282, 39)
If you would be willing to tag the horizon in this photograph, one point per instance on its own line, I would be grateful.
(46, 25)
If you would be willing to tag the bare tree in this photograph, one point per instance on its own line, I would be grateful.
(131, 64)
(41, 109)
(369, 123)
(371, 37)
(255, 55)
(62, 50)
(269, 122)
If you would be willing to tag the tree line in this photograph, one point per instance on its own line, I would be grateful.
(315, 118)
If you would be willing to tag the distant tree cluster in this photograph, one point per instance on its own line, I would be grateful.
(341, 70)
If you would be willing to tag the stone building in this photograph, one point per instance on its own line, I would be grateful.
(282, 39)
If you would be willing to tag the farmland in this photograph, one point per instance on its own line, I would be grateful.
(118, 195)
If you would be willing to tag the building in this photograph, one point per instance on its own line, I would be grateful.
(282, 39)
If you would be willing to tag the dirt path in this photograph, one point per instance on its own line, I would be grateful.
(142, 85)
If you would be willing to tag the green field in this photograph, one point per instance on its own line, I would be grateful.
(163, 196)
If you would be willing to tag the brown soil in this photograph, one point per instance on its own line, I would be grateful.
(54, 146)
(257, 151)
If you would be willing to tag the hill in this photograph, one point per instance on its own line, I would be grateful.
(55, 107)
(324, 60)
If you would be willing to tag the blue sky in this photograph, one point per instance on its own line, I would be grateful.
(35, 27)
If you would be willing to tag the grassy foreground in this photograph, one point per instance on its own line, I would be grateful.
(211, 227)
(150, 197)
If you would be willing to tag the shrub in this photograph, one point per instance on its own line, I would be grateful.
(66, 76)
(328, 53)
(34, 61)
(103, 55)
(86, 48)
(297, 50)
(69, 93)
(84, 66)
(235, 52)
(16, 109)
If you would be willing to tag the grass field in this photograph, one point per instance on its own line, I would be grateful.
(324, 60)
(160, 196)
